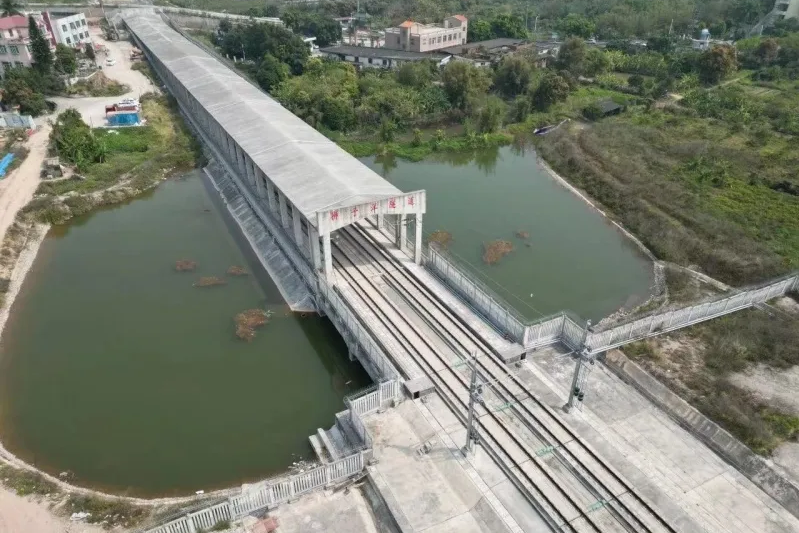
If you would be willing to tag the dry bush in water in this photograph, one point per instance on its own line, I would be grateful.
(247, 321)
(209, 281)
(522, 234)
(441, 238)
(185, 265)
(496, 250)
(236, 271)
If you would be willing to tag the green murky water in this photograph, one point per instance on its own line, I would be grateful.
(573, 258)
(115, 368)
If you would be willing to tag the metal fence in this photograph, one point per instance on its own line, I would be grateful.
(355, 334)
(271, 493)
(480, 296)
(680, 318)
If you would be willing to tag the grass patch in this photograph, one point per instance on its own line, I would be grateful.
(417, 151)
(109, 512)
(25, 482)
(139, 157)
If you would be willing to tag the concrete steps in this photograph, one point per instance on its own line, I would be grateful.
(328, 445)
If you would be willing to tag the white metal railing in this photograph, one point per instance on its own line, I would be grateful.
(687, 316)
(352, 329)
(272, 493)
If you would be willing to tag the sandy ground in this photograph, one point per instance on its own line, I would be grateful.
(25, 515)
(17, 189)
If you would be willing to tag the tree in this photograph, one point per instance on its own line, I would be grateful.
(505, 25)
(490, 113)
(65, 60)
(10, 8)
(271, 10)
(417, 73)
(75, 141)
(479, 30)
(661, 43)
(551, 89)
(512, 76)
(595, 63)
(89, 51)
(17, 91)
(325, 29)
(271, 73)
(571, 55)
(574, 25)
(636, 81)
(40, 48)
(767, 51)
(716, 64)
(463, 81)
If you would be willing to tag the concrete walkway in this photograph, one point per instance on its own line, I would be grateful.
(663, 461)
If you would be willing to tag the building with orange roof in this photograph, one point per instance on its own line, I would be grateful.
(412, 36)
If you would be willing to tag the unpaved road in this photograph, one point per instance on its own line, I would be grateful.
(24, 515)
(17, 188)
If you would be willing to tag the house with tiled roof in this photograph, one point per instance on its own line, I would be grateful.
(412, 36)
(15, 48)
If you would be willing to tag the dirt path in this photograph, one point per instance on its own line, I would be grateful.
(25, 515)
(17, 189)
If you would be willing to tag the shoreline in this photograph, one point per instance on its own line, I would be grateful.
(20, 271)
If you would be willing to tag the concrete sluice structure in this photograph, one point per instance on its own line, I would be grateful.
(334, 235)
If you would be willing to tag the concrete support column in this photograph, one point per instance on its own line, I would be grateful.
(295, 219)
(380, 221)
(313, 245)
(418, 252)
(260, 187)
(248, 164)
(403, 231)
(284, 212)
(328, 257)
(270, 196)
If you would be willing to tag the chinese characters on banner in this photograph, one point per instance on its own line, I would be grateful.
(406, 204)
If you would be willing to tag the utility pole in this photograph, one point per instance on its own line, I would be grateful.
(535, 29)
(475, 396)
(576, 392)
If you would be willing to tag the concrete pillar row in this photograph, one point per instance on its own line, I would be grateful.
(270, 196)
(417, 256)
(296, 219)
(403, 232)
(284, 212)
(328, 257)
(313, 246)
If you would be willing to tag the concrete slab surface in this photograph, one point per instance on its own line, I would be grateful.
(693, 488)
(327, 512)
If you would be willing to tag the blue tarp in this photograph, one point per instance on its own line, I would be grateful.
(123, 119)
(4, 164)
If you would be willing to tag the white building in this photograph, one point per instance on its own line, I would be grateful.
(70, 29)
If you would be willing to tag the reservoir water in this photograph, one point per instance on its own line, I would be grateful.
(573, 258)
(114, 367)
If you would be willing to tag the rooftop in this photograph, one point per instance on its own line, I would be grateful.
(14, 21)
(489, 45)
(383, 53)
(312, 171)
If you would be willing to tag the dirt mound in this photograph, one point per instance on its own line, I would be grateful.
(441, 238)
(496, 250)
(247, 322)
(236, 271)
(522, 234)
(209, 281)
(184, 265)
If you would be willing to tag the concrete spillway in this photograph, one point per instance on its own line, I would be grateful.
(288, 281)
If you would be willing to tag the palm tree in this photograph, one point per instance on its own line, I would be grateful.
(9, 8)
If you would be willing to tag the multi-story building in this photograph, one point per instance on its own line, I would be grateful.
(70, 29)
(414, 37)
(786, 9)
(15, 50)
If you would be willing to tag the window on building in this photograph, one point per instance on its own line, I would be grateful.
(439, 39)
(69, 41)
(14, 49)
(3, 49)
(18, 64)
(82, 22)
(71, 25)
(6, 65)
(64, 27)
(370, 60)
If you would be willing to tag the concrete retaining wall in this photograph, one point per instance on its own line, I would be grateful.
(725, 445)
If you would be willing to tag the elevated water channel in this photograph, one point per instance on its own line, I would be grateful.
(573, 258)
(115, 368)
